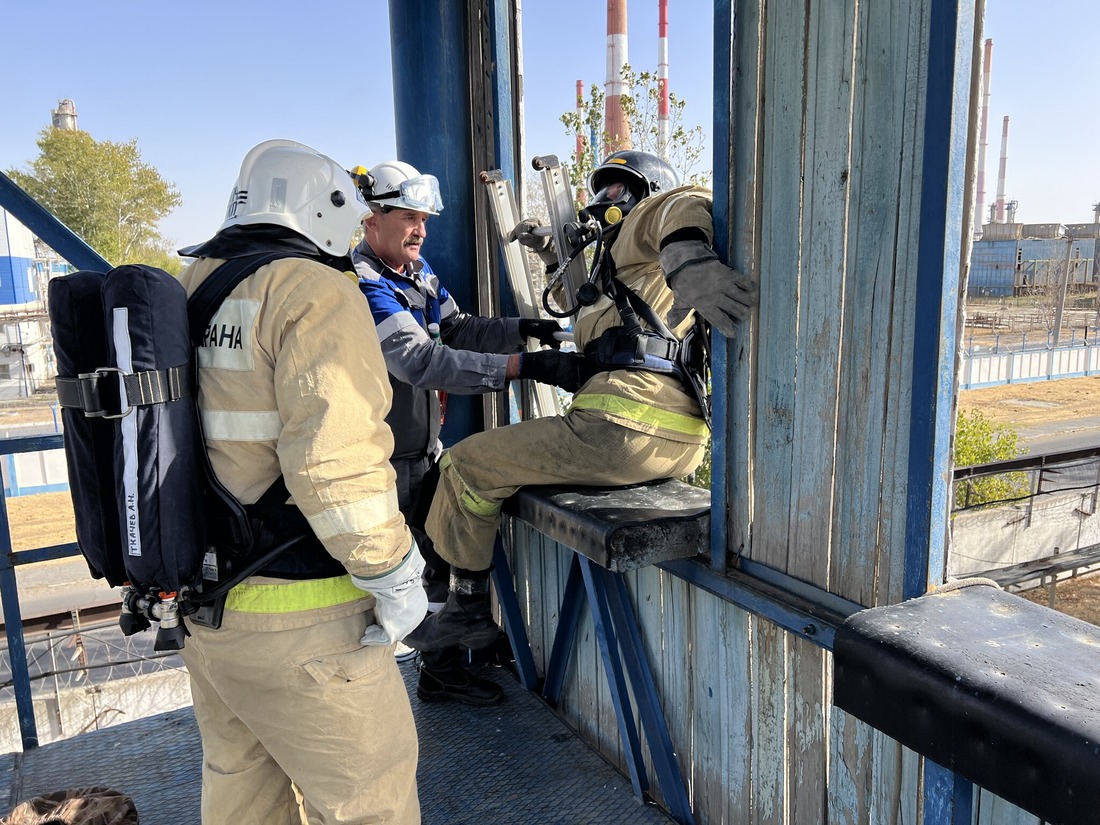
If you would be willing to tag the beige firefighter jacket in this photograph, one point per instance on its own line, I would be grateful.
(292, 380)
(646, 401)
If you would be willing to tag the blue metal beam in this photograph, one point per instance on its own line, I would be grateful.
(44, 225)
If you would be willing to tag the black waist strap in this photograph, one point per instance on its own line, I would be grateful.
(274, 522)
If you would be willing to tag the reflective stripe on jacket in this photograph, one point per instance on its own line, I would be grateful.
(471, 362)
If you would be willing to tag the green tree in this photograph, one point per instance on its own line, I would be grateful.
(979, 441)
(640, 105)
(103, 191)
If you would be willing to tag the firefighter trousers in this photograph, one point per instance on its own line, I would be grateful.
(301, 714)
(481, 471)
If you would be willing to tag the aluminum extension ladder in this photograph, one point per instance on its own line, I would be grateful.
(539, 399)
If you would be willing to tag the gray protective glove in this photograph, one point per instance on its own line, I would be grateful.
(541, 245)
(702, 282)
(559, 369)
(400, 602)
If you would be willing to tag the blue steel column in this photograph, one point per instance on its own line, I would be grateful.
(948, 798)
(431, 99)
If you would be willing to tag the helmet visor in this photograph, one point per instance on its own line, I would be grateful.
(421, 194)
(614, 192)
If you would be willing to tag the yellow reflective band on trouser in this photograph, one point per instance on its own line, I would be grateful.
(642, 413)
(292, 596)
(470, 500)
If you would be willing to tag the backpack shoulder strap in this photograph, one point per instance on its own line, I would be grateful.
(235, 525)
(205, 300)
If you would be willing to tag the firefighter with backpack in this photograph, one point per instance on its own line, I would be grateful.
(297, 690)
(638, 410)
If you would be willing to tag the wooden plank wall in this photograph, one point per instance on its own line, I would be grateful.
(826, 163)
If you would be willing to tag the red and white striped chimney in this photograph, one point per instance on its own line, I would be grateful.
(662, 79)
(983, 142)
(1001, 173)
(615, 122)
(582, 191)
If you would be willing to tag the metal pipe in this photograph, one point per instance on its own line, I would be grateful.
(1060, 307)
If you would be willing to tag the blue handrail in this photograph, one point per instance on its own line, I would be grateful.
(13, 615)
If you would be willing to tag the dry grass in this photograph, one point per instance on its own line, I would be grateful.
(1079, 597)
(1038, 402)
(41, 520)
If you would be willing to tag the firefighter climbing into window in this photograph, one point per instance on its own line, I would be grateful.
(432, 348)
(638, 410)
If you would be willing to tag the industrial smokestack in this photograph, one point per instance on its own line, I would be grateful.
(983, 143)
(64, 116)
(582, 192)
(1001, 173)
(615, 122)
(662, 79)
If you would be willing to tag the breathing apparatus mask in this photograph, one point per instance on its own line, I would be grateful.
(612, 203)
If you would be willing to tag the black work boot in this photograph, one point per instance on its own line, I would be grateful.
(466, 619)
(443, 679)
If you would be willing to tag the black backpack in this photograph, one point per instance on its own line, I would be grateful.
(148, 507)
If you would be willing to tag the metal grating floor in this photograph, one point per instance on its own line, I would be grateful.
(515, 764)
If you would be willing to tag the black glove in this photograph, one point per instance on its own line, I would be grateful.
(541, 244)
(543, 330)
(561, 369)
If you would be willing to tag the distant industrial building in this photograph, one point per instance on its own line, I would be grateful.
(1010, 259)
(26, 354)
(1014, 259)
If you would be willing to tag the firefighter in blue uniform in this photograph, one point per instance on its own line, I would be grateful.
(431, 347)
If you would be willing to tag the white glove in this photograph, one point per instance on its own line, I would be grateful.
(542, 244)
(400, 602)
(700, 281)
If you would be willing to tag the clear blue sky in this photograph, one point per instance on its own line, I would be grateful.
(201, 82)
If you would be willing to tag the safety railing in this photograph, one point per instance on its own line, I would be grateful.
(9, 592)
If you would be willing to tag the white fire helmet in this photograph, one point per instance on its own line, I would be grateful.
(399, 185)
(289, 184)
